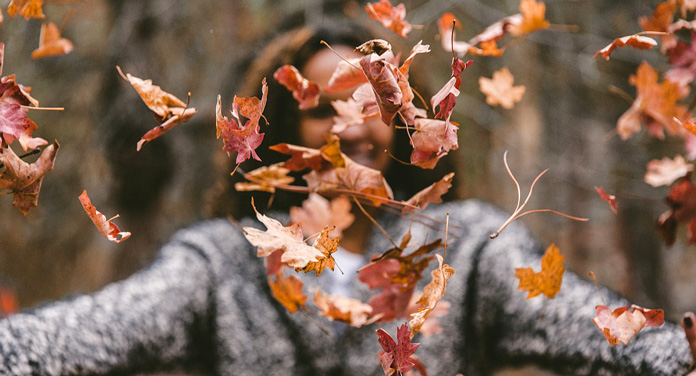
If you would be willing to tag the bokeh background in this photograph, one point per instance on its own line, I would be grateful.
(565, 122)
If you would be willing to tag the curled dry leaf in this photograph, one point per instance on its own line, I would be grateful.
(340, 308)
(169, 110)
(499, 89)
(533, 18)
(611, 199)
(347, 75)
(384, 80)
(624, 323)
(317, 212)
(23, 179)
(431, 326)
(548, 280)
(432, 140)
(682, 209)
(243, 139)
(432, 293)
(666, 171)
(26, 8)
(636, 41)
(303, 90)
(266, 179)
(446, 98)
(51, 43)
(389, 16)
(395, 358)
(431, 194)
(105, 226)
(296, 253)
(288, 291)
(374, 46)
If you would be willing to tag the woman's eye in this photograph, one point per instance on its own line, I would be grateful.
(322, 111)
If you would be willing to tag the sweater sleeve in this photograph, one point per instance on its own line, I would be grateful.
(557, 333)
(156, 317)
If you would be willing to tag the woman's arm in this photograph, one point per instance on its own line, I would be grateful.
(156, 317)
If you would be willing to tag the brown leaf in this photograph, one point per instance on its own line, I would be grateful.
(288, 291)
(432, 293)
(317, 212)
(105, 226)
(266, 178)
(548, 280)
(23, 179)
(51, 43)
(340, 308)
(431, 194)
(500, 90)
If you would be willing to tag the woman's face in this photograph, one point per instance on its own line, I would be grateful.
(365, 144)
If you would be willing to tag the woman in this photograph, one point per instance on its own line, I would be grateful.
(205, 303)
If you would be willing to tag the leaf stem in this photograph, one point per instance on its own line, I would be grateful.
(374, 222)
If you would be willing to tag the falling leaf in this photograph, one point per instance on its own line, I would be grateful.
(297, 253)
(500, 91)
(666, 171)
(326, 245)
(431, 194)
(432, 140)
(301, 157)
(432, 293)
(288, 292)
(105, 226)
(340, 308)
(389, 16)
(624, 323)
(26, 8)
(266, 178)
(636, 41)
(611, 199)
(446, 26)
(237, 138)
(51, 43)
(317, 212)
(431, 326)
(488, 48)
(655, 105)
(169, 110)
(395, 358)
(303, 90)
(533, 18)
(446, 98)
(346, 75)
(383, 78)
(23, 179)
(682, 209)
(548, 280)
(661, 18)
(374, 46)
(349, 113)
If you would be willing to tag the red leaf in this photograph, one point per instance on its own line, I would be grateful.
(237, 138)
(611, 199)
(446, 98)
(431, 194)
(304, 91)
(432, 140)
(346, 75)
(105, 227)
(396, 357)
(622, 325)
(635, 41)
(390, 17)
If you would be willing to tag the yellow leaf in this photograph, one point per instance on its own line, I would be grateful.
(548, 280)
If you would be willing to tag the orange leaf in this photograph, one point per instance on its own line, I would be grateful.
(51, 43)
(622, 325)
(288, 291)
(499, 90)
(326, 246)
(548, 280)
(431, 194)
(636, 41)
(340, 308)
(105, 227)
(661, 18)
(533, 18)
(432, 293)
(303, 90)
(389, 16)
(266, 178)
(26, 8)
(317, 212)
(23, 179)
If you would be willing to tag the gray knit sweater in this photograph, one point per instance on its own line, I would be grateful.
(205, 305)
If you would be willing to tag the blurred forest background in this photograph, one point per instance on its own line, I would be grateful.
(565, 122)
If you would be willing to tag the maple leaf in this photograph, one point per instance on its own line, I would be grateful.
(396, 357)
(611, 199)
(661, 18)
(655, 105)
(105, 226)
(16, 125)
(446, 98)
(488, 48)
(533, 18)
(389, 16)
(266, 179)
(383, 78)
(431, 324)
(326, 246)
(432, 293)
(296, 253)
(169, 110)
(500, 91)
(303, 90)
(26, 8)
(51, 43)
(430, 195)
(242, 139)
(622, 324)
(317, 212)
(345, 76)
(340, 308)
(666, 171)
(682, 204)
(288, 292)
(349, 113)
(548, 280)
(23, 179)
(636, 41)
(432, 140)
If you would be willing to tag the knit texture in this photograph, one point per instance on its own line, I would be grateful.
(205, 305)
